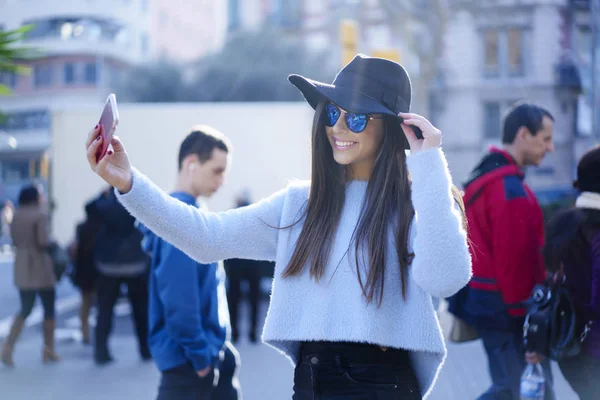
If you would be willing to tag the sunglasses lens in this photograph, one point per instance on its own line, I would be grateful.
(332, 114)
(356, 122)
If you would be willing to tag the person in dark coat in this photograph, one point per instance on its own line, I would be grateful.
(573, 242)
(120, 260)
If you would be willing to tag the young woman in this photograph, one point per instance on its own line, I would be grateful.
(360, 251)
(573, 242)
(34, 271)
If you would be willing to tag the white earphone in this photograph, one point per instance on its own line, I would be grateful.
(192, 167)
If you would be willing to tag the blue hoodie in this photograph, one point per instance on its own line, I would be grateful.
(188, 316)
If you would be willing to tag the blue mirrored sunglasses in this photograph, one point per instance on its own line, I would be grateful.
(355, 122)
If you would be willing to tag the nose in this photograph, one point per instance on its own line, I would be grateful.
(550, 146)
(340, 125)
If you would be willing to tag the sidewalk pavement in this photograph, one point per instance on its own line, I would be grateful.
(264, 373)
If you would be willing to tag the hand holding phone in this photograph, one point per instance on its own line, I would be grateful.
(106, 154)
(108, 124)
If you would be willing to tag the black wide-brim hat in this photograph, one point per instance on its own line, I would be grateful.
(367, 85)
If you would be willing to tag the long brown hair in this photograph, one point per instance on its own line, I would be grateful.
(388, 198)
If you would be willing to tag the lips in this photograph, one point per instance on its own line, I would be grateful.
(342, 145)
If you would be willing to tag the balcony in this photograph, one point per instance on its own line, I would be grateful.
(82, 35)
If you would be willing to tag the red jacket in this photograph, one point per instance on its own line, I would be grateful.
(506, 230)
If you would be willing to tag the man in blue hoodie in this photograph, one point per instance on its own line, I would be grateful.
(189, 319)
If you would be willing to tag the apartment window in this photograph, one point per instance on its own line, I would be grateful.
(492, 52)
(42, 76)
(491, 120)
(504, 52)
(90, 73)
(15, 171)
(515, 51)
(69, 73)
(8, 79)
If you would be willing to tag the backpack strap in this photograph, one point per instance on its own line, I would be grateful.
(559, 280)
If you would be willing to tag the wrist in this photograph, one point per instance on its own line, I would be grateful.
(127, 184)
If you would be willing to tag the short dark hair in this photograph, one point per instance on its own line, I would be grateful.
(201, 141)
(523, 114)
(29, 195)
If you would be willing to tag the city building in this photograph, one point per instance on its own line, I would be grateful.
(87, 48)
(499, 52)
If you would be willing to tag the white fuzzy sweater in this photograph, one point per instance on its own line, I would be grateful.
(333, 309)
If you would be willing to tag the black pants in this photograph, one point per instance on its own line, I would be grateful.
(109, 289)
(583, 374)
(48, 297)
(182, 383)
(239, 271)
(336, 371)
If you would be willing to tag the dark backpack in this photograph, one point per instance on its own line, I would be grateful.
(553, 327)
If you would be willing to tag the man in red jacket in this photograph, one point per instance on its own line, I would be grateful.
(506, 229)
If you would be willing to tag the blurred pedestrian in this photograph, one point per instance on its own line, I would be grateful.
(240, 272)
(84, 274)
(7, 213)
(189, 320)
(120, 261)
(506, 230)
(573, 249)
(34, 270)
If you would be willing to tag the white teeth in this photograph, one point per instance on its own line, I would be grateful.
(343, 144)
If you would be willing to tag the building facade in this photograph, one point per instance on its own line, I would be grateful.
(499, 52)
(87, 48)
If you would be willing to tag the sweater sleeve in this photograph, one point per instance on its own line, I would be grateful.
(442, 263)
(248, 232)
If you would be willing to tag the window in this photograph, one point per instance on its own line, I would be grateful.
(515, 51)
(492, 52)
(36, 119)
(15, 171)
(90, 73)
(504, 52)
(491, 120)
(8, 79)
(42, 76)
(69, 71)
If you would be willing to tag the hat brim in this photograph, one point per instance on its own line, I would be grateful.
(350, 101)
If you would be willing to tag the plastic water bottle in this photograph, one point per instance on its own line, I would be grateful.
(533, 383)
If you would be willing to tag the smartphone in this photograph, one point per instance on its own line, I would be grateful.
(108, 124)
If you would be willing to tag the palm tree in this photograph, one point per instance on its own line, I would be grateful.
(11, 54)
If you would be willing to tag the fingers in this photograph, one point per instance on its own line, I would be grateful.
(117, 144)
(101, 166)
(92, 150)
(424, 125)
(420, 121)
(410, 134)
(92, 135)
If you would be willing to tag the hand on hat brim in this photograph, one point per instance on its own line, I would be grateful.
(432, 137)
